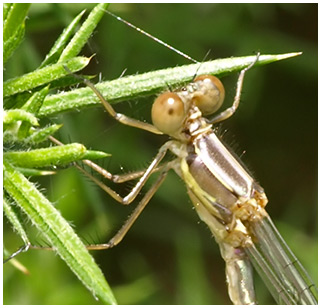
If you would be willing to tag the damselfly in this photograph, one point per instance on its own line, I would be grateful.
(225, 196)
(283, 288)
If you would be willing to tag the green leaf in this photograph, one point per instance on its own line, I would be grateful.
(35, 172)
(90, 154)
(15, 17)
(35, 101)
(131, 87)
(10, 45)
(16, 101)
(32, 105)
(60, 43)
(14, 115)
(58, 232)
(42, 76)
(6, 9)
(83, 34)
(14, 220)
(67, 81)
(13, 27)
(57, 155)
(42, 134)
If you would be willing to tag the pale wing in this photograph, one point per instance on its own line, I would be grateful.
(280, 270)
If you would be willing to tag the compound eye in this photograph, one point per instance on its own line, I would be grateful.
(168, 113)
(211, 95)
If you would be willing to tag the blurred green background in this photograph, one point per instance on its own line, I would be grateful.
(169, 256)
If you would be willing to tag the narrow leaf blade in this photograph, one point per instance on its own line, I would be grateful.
(42, 76)
(131, 87)
(81, 37)
(57, 230)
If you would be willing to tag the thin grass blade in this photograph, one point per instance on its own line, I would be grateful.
(58, 232)
(131, 87)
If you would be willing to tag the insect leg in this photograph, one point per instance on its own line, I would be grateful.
(117, 116)
(231, 110)
(137, 188)
(132, 218)
(117, 178)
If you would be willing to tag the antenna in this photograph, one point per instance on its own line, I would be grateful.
(152, 37)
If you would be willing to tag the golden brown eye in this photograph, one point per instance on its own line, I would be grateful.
(168, 113)
(211, 94)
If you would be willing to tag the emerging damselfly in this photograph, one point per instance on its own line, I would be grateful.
(189, 151)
